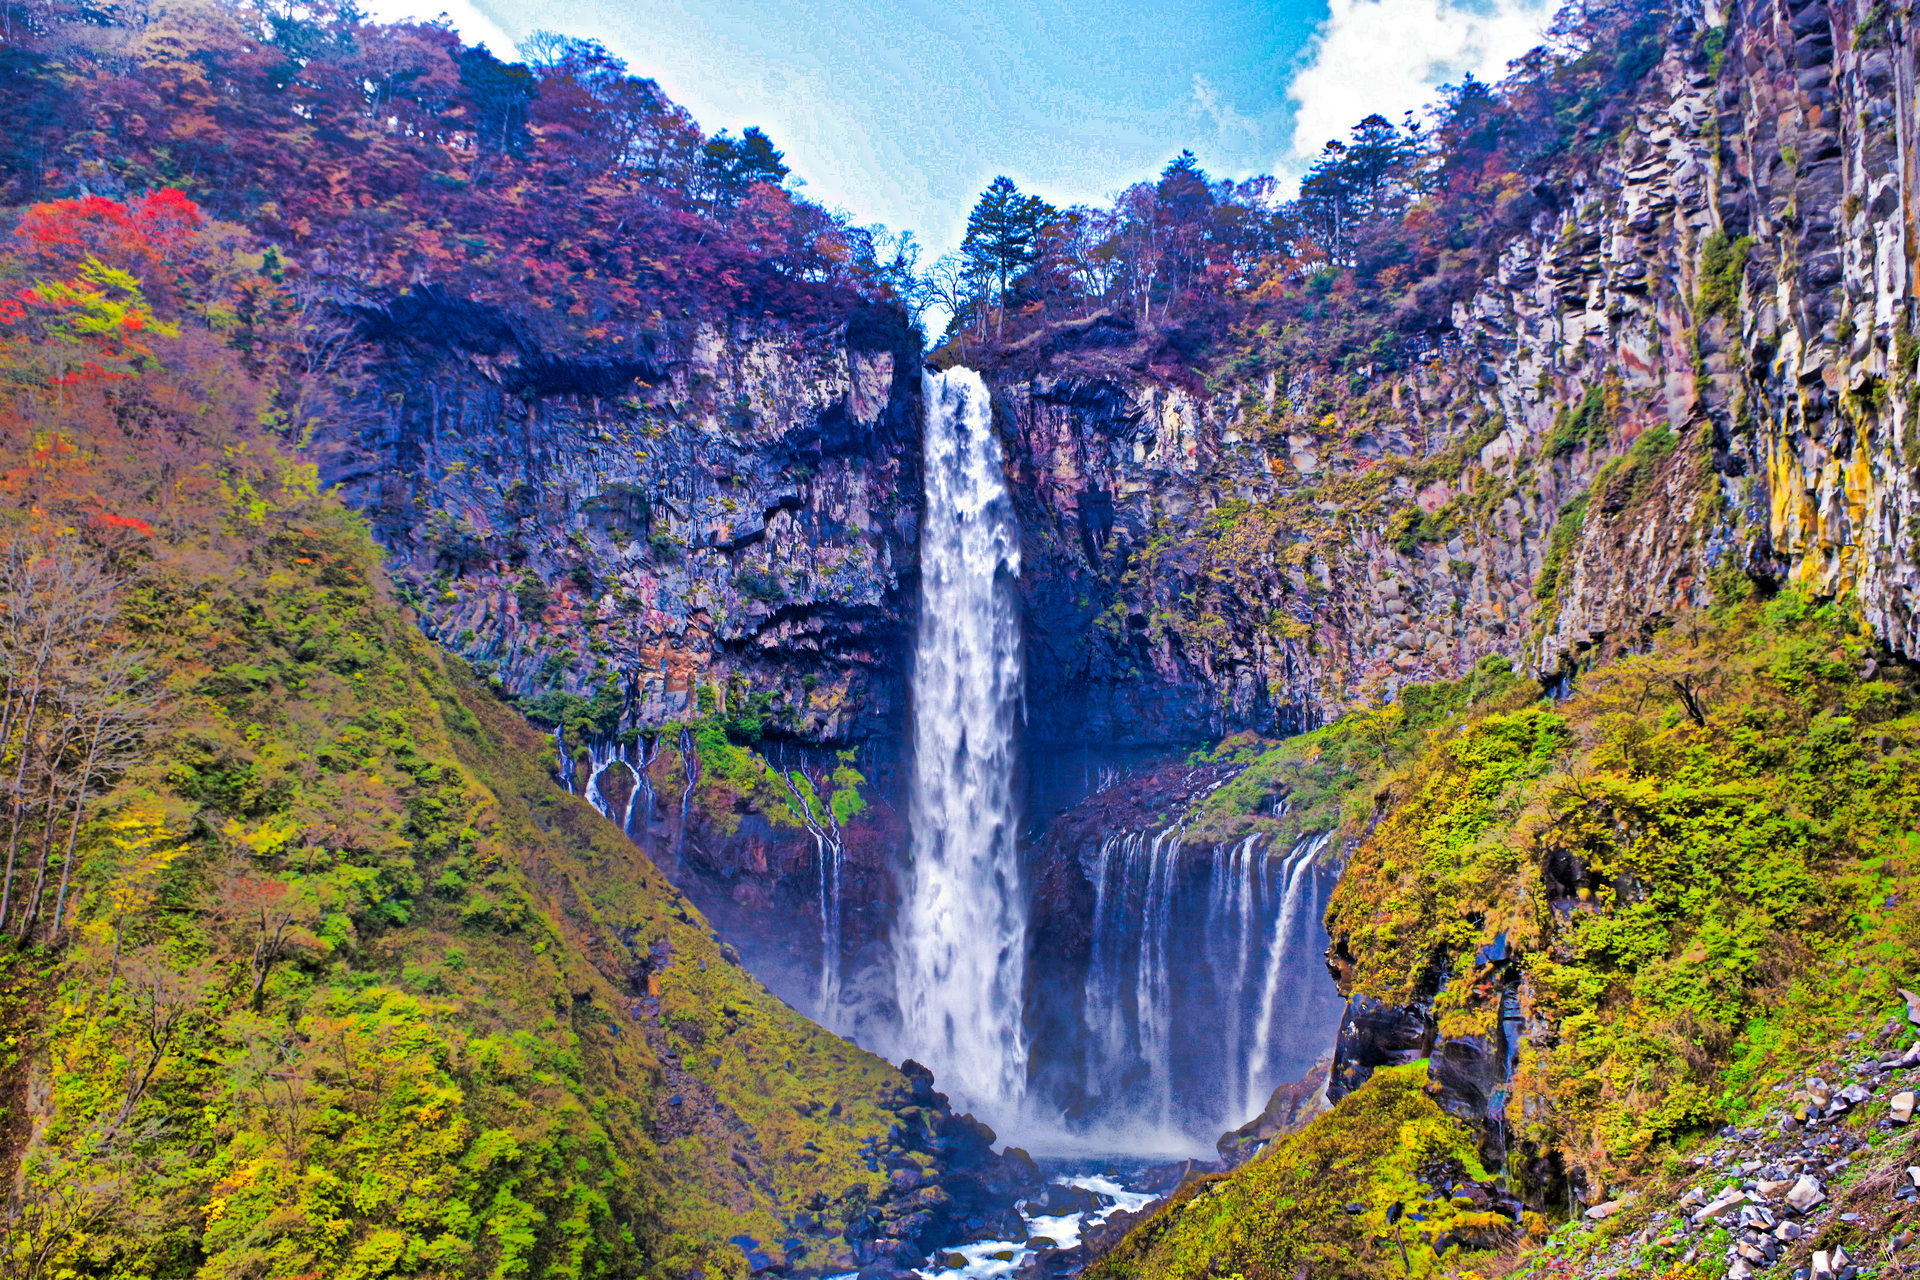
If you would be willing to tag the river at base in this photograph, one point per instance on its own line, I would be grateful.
(1111, 1186)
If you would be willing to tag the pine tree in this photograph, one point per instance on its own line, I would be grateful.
(1002, 232)
(733, 166)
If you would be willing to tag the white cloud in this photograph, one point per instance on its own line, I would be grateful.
(475, 25)
(1229, 125)
(1390, 55)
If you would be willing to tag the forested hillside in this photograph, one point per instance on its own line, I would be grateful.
(310, 968)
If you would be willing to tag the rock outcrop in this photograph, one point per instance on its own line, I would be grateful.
(665, 528)
(1696, 354)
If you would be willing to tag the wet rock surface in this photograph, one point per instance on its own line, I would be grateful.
(1289, 1107)
(948, 1185)
(1375, 1034)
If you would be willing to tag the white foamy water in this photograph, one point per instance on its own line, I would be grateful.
(990, 1259)
(961, 931)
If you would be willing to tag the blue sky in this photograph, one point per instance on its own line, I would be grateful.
(901, 111)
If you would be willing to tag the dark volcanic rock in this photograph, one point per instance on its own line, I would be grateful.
(1289, 1107)
(1374, 1035)
(948, 1184)
(713, 518)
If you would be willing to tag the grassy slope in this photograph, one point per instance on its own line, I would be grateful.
(1698, 909)
(496, 1041)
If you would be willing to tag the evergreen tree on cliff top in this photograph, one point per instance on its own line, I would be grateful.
(1002, 232)
(732, 167)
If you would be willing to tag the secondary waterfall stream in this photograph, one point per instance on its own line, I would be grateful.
(1204, 987)
(960, 935)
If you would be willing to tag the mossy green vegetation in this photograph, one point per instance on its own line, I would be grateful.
(358, 992)
(1364, 1190)
(1708, 839)
(1701, 862)
(345, 985)
(1335, 777)
(1723, 265)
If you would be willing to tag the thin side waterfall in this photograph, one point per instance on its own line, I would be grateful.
(829, 852)
(690, 766)
(1202, 988)
(961, 932)
(602, 759)
(1301, 860)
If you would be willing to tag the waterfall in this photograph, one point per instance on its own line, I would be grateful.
(1153, 982)
(829, 851)
(960, 936)
(1201, 983)
(690, 766)
(1232, 923)
(1102, 1010)
(1301, 860)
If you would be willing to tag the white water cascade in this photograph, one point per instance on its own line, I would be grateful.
(1203, 986)
(1298, 870)
(632, 762)
(960, 935)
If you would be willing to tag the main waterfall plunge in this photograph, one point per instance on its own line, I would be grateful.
(1202, 987)
(1128, 989)
(961, 935)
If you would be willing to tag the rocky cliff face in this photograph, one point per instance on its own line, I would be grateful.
(1697, 353)
(655, 529)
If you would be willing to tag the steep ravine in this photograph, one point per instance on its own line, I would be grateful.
(1694, 365)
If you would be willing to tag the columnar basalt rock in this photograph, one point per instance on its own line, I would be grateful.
(1696, 351)
(714, 521)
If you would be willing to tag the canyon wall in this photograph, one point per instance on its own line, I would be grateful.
(1696, 355)
(652, 529)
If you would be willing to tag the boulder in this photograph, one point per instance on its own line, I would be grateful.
(1289, 1107)
(1900, 1110)
(1722, 1203)
(1060, 1199)
(1805, 1193)
(1375, 1034)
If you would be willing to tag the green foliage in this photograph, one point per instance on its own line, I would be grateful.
(1409, 527)
(1702, 865)
(533, 594)
(1003, 229)
(351, 989)
(1714, 45)
(1586, 423)
(1386, 1149)
(1723, 265)
(1557, 566)
(1682, 857)
(579, 718)
(1329, 775)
